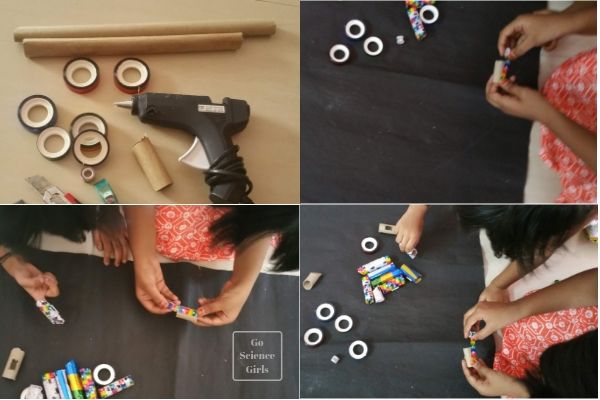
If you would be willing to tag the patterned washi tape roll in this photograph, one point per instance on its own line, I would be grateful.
(374, 265)
(87, 381)
(116, 387)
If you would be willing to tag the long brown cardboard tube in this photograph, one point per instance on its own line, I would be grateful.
(151, 164)
(248, 28)
(112, 46)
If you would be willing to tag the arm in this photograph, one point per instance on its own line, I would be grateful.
(410, 227)
(577, 291)
(150, 287)
(225, 308)
(38, 284)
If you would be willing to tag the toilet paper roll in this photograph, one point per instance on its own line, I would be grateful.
(153, 168)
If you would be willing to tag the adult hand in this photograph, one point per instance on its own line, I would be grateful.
(493, 383)
(150, 287)
(223, 309)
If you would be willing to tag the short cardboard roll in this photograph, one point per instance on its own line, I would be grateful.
(153, 168)
(113, 46)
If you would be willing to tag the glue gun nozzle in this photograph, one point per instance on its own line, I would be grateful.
(124, 104)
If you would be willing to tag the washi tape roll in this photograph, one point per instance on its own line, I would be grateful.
(78, 64)
(369, 245)
(348, 322)
(364, 349)
(131, 87)
(311, 280)
(90, 147)
(355, 29)
(32, 102)
(50, 133)
(339, 54)
(313, 337)
(13, 364)
(87, 121)
(325, 311)
(104, 367)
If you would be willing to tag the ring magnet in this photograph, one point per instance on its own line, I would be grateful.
(50, 312)
(131, 87)
(81, 64)
(13, 364)
(339, 54)
(354, 345)
(378, 46)
(411, 274)
(63, 384)
(151, 164)
(116, 387)
(51, 132)
(104, 367)
(50, 385)
(435, 14)
(369, 245)
(355, 23)
(311, 280)
(313, 332)
(343, 318)
(325, 312)
(31, 102)
(400, 40)
(105, 192)
(389, 229)
(32, 392)
(87, 381)
(335, 359)
(88, 174)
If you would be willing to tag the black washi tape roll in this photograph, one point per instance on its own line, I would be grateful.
(31, 102)
(84, 121)
(77, 64)
(132, 87)
(90, 147)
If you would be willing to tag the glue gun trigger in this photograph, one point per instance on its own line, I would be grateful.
(196, 157)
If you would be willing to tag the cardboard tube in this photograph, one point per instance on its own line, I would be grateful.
(311, 280)
(13, 364)
(131, 45)
(247, 28)
(155, 171)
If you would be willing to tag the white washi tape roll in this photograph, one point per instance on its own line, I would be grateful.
(50, 133)
(313, 333)
(378, 46)
(85, 121)
(369, 245)
(325, 312)
(132, 64)
(82, 144)
(81, 64)
(104, 367)
(354, 354)
(435, 14)
(339, 53)
(340, 319)
(355, 29)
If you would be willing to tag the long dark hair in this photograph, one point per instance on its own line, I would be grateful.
(525, 233)
(245, 222)
(568, 369)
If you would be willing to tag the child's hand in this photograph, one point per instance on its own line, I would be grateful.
(111, 235)
(495, 315)
(518, 101)
(225, 308)
(493, 383)
(38, 284)
(528, 31)
(410, 227)
(150, 287)
(494, 294)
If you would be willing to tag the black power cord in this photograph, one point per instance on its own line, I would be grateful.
(229, 168)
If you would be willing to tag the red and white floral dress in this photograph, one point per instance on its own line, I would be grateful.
(182, 233)
(572, 90)
(524, 341)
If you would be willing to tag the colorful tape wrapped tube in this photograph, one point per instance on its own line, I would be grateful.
(367, 290)
(87, 381)
(50, 312)
(63, 384)
(415, 21)
(50, 385)
(74, 381)
(374, 265)
(411, 274)
(391, 285)
(116, 387)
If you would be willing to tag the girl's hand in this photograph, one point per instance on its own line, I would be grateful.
(518, 101)
(150, 287)
(410, 227)
(493, 383)
(495, 315)
(111, 236)
(225, 308)
(528, 31)
(38, 284)
(494, 294)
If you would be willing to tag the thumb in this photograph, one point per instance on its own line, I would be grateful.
(209, 308)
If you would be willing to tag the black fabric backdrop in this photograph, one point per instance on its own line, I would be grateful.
(411, 125)
(168, 357)
(415, 337)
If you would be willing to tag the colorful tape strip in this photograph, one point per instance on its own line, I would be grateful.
(367, 290)
(374, 265)
(74, 381)
(87, 381)
(411, 274)
(63, 384)
(415, 21)
(50, 312)
(116, 387)
(50, 385)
